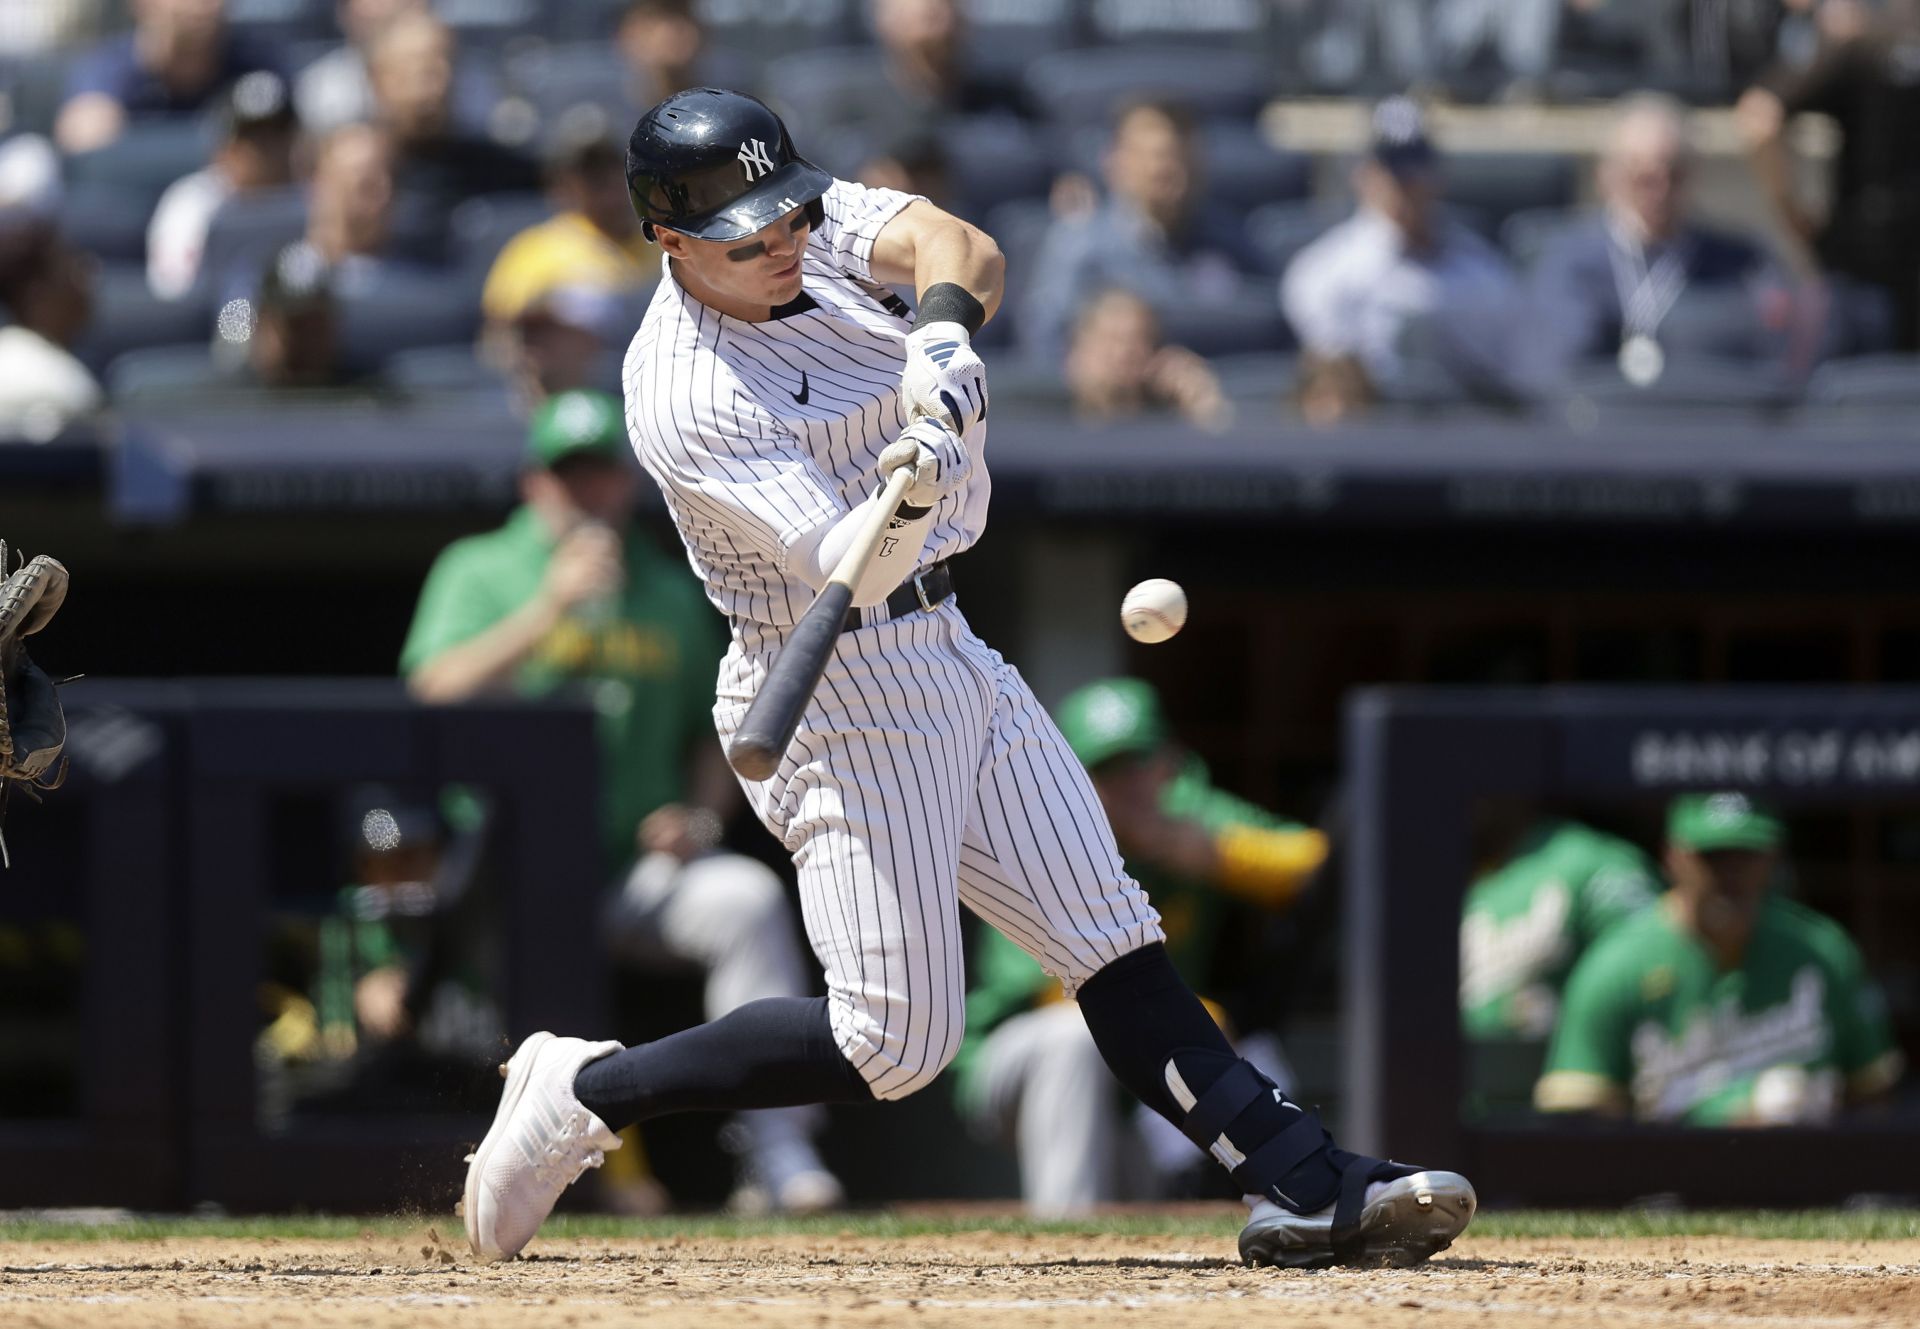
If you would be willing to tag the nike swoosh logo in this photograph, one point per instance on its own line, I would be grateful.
(800, 397)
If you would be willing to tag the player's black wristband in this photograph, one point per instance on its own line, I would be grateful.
(908, 512)
(947, 302)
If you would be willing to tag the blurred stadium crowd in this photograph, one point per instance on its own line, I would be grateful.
(202, 201)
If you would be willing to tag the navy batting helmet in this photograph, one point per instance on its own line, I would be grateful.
(717, 165)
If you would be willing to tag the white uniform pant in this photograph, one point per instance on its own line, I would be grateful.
(727, 916)
(925, 776)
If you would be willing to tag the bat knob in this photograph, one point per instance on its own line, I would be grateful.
(753, 757)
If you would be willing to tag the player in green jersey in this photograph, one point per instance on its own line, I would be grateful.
(1545, 892)
(570, 590)
(1726, 1004)
(1028, 1070)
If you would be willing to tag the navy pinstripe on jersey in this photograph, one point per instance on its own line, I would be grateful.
(760, 432)
(924, 774)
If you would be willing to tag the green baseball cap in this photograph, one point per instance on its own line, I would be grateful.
(1111, 718)
(570, 423)
(1722, 821)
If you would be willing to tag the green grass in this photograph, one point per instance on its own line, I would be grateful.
(1812, 1224)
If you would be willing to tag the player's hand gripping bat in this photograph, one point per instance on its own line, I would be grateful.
(762, 738)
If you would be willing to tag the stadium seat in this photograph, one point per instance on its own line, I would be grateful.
(992, 160)
(480, 227)
(277, 22)
(127, 317)
(1721, 324)
(555, 78)
(244, 234)
(759, 31)
(1257, 376)
(425, 370)
(1086, 87)
(1002, 36)
(1252, 322)
(107, 220)
(31, 90)
(160, 371)
(1524, 235)
(149, 156)
(1690, 383)
(1867, 381)
(827, 87)
(403, 311)
(1244, 171)
(1222, 24)
(1282, 230)
(491, 24)
(1501, 184)
(1018, 228)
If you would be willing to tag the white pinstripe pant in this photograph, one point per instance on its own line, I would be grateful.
(925, 776)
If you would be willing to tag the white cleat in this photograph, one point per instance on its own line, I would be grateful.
(1401, 1223)
(540, 1142)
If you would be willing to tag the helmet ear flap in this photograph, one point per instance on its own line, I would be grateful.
(816, 213)
(647, 232)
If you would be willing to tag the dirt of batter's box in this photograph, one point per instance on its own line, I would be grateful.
(984, 1279)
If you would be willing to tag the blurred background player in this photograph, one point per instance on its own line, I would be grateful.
(1726, 1004)
(1545, 889)
(1029, 1071)
(570, 590)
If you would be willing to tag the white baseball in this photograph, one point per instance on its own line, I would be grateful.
(1154, 610)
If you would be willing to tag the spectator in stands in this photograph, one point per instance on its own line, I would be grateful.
(664, 48)
(410, 65)
(43, 27)
(913, 161)
(1602, 287)
(1332, 390)
(1422, 41)
(292, 339)
(593, 239)
(1544, 890)
(1150, 236)
(255, 153)
(1863, 77)
(334, 90)
(1400, 275)
(559, 341)
(918, 76)
(46, 290)
(179, 57)
(572, 591)
(1725, 1004)
(350, 209)
(1028, 1071)
(1118, 368)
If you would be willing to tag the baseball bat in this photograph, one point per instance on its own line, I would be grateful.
(761, 741)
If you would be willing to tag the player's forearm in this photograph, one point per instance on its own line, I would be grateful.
(952, 251)
(484, 663)
(814, 556)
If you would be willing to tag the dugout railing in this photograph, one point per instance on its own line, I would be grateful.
(175, 786)
(1419, 760)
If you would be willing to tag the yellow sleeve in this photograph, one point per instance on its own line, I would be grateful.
(1265, 866)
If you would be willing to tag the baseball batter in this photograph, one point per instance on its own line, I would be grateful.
(774, 383)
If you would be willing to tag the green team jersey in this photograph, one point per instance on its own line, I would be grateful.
(1651, 1023)
(1008, 981)
(650, 659)
(1527, 922)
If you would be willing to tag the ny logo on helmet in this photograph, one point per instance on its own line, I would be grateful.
(754, 159)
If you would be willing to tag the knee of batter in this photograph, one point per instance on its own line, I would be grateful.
(897, 1044)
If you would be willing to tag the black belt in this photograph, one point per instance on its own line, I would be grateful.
(920, 593)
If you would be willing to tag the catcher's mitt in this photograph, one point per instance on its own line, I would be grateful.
(33, 728)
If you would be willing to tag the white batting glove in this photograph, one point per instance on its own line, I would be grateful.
(944, 377)
(938, 457)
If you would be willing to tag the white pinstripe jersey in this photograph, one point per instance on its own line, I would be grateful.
(758, 433)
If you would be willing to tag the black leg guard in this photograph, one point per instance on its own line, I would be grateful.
(1161, 1044)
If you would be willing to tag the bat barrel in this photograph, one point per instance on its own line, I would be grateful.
(761, 741)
